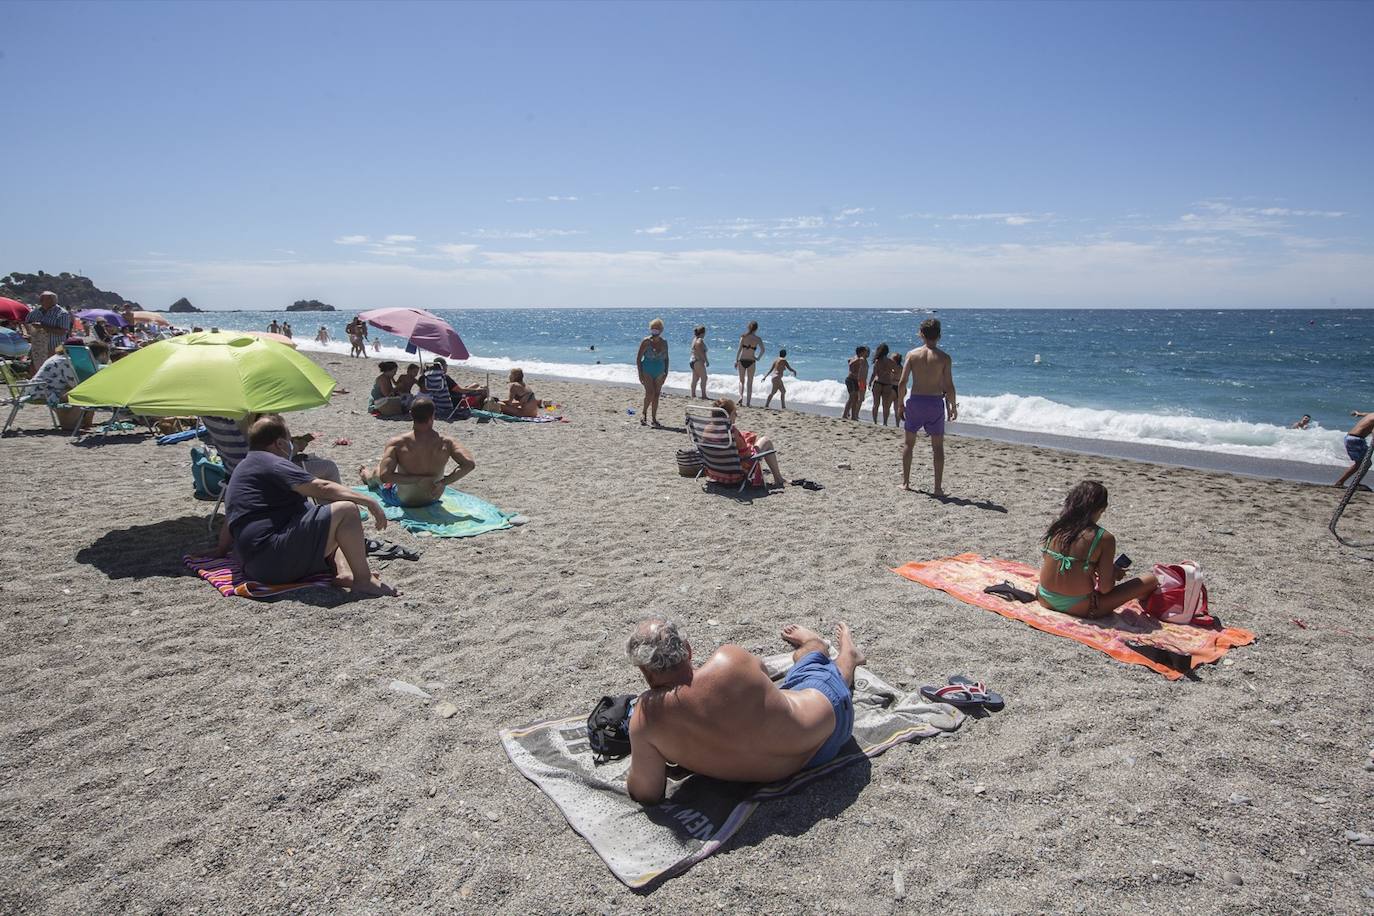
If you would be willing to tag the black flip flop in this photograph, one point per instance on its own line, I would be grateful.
(386, 551)
(954, 694)
(1009, 592)
(807, 484)
(992, 701)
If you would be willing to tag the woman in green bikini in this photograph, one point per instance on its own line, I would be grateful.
(1078, 575)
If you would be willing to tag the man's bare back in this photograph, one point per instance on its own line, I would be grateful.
(930, 371)
(732, 721)
(729, 720)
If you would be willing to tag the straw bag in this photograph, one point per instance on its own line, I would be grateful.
(689, 462)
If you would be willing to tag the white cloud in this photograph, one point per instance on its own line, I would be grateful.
(391, 251)
(653, 230)
(394, 239)
(1007, 219)
(461, 253)
(853, 211)
(522, 233)
(557, 198)
(665, 187)
(351, 240)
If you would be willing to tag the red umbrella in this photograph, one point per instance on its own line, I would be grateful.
(11, 310)
(427, 332)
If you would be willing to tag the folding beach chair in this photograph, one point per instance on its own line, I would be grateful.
(21, 393)
(713, 436)
(231, 445)
(436, 389)
(84, 365)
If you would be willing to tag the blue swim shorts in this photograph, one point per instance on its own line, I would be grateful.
(1356, 448)
(816, 671)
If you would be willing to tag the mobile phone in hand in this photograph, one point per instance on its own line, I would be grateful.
(1123, 562)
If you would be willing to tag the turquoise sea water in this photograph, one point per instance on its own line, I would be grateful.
(1228, 381)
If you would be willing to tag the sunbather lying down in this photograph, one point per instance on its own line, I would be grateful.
(727, 719)
(414, 462)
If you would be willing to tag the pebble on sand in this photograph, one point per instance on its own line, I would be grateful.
(446, 710)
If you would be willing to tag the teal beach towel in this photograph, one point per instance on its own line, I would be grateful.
(457, 515)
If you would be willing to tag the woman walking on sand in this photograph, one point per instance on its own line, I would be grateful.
(652, 360)
(884, 382)
(746, 361)
(699, 361)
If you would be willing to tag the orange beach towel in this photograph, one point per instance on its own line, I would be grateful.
(1120, 634)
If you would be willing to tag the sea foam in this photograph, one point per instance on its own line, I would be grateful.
(1005, 411)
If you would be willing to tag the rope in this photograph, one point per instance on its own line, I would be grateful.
(1350, 491)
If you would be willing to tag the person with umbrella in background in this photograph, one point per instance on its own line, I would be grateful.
(278, 535)
(49, 325)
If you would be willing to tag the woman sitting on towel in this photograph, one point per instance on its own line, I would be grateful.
(386, 401)
(750, 444)
(1078, 575)
(521, 402)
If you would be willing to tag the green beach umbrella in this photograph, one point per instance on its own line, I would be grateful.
(215, 373)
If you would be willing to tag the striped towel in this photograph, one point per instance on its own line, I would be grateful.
(225, 574)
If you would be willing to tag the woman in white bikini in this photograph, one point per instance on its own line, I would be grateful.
(746, 359)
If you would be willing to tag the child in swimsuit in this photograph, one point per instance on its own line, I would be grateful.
(854, 383)
(780, 365)
(1078, 576)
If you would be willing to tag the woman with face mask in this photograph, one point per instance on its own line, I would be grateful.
(652, 361)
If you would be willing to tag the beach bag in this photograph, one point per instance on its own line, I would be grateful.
(208, 475)
(689, 462)
(1181, 596)
(608, 728)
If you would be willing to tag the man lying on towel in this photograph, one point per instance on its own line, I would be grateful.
(278, 535)
(414, 462)
(727, 719)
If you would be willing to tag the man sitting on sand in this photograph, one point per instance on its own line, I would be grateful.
(932, 401)
(727, 719)
(278, 535)
(414, 462)
(1355, 444)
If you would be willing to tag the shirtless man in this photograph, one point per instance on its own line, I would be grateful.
(854, 383)
(727, 719)
(1355, 444)
(932, 401)
(414, 462)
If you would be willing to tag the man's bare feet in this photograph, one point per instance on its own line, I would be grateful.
(376, 588)
(844, 641)
(938, 494)
(906, 486)
(364, 474)
(798, 636)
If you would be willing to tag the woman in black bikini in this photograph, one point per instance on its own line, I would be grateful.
(884, 382)
(749, 353)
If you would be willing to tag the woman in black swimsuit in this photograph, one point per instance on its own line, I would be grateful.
(749, 353)
(884, 382)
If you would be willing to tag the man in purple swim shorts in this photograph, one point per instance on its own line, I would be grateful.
(932, 401)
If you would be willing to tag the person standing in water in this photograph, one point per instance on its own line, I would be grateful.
(854, 383)
(746, 359)
(780, 365)
(932, 401)
(699, 361)
(652, 360)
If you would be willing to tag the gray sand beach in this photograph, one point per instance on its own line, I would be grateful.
(166, 749)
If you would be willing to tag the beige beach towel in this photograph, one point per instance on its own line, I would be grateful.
(645, 846)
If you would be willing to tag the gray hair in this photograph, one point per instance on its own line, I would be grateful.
(657, 644)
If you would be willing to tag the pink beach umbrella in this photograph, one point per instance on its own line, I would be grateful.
(427, 332)
(13, 310)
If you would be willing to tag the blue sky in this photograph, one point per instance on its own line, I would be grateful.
(527, 154)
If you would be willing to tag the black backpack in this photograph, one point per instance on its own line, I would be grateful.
(608, 728)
